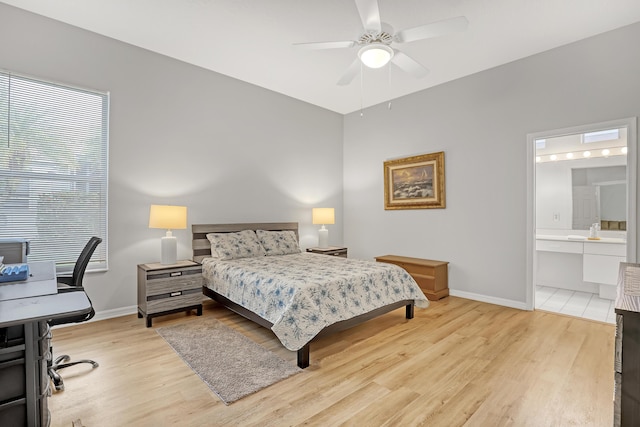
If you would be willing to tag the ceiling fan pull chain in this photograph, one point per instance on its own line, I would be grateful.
(361, 90)
(389, 68)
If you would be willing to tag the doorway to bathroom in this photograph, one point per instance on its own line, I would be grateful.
(581, 224)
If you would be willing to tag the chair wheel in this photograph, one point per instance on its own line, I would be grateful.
(57, 381)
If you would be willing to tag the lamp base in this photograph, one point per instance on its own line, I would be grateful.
(169, 250)
(323, 238)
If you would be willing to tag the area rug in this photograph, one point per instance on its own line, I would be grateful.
(231, 364)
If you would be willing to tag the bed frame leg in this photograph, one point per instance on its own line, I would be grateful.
(303, 357)
(409, 311)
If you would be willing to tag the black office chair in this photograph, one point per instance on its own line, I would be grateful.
(72, 283)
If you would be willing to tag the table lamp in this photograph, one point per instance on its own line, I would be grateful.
(323, 216)
(170, 218)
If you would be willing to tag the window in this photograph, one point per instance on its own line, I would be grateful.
(599, 136)
(53, 168)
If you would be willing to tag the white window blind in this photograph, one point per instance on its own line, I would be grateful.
(53, 168)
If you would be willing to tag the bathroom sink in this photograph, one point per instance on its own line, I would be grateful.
(578, 238)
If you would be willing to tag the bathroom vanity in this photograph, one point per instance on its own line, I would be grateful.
(579, 264)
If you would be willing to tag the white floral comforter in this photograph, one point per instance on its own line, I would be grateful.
(300, 294)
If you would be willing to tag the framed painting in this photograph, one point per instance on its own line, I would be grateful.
(415, 182)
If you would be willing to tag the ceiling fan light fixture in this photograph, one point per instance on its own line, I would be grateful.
(375, 55)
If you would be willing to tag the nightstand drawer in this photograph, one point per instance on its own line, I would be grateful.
(160, 284)
(341, 253)
(173, 300)
(332, 250)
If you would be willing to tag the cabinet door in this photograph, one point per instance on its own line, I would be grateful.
(601, 268)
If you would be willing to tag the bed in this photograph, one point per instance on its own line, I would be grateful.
(259, 271)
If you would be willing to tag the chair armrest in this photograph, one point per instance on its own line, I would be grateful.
(66, 289)
(66, 280)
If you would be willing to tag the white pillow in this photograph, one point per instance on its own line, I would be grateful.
(278, 242)
(243, 244)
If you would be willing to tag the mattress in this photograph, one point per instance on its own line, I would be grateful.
(301, 294)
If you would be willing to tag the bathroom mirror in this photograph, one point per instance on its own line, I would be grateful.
(599, 195)
(581, 179)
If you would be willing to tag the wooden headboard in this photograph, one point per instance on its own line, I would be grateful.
(202, 247)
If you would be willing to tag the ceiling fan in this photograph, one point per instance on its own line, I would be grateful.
(375, 43)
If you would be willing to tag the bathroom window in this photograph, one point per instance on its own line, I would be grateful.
(600, 136)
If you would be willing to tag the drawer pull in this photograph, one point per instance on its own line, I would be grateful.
(175, 294)
(176, 274)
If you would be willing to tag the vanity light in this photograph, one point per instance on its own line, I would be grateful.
(573, 155)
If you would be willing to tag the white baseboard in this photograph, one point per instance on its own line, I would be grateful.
(107, 314)
(116, 312)
(491, 300)
(125, 311)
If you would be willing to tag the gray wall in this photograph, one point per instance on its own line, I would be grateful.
(481, 123)
(229, 151)
(233, 152)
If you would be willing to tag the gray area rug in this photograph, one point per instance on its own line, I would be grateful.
(231, 364)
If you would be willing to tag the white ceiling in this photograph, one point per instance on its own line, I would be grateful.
(251, 40)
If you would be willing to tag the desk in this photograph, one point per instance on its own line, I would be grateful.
(41, 281)
(35, 309)
(24, 351)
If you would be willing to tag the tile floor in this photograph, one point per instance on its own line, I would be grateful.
(575, 303)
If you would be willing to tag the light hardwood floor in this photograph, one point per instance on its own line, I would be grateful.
(459, 362)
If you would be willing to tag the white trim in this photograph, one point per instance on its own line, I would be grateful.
(53, 82)
(491, 300)
(530, 221)
(108, 314)
(632, 188)
(116, 312)
(632, 200)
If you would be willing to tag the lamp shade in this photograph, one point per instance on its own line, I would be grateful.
(324, 216)
(168, 217)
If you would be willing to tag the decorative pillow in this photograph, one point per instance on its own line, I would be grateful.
(243, 244)
(278, 242)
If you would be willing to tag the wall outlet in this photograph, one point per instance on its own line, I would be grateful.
(556, 216)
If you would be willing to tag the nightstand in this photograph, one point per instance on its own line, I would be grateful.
(165, 289)
(331, 250)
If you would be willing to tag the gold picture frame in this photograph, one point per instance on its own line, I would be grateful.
(415, 182)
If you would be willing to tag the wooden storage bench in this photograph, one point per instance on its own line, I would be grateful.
(432, 276)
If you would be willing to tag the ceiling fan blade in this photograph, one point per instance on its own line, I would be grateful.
(408, 64)
(435, 29)
(369, 14)
(324, 45)
(351, 72)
